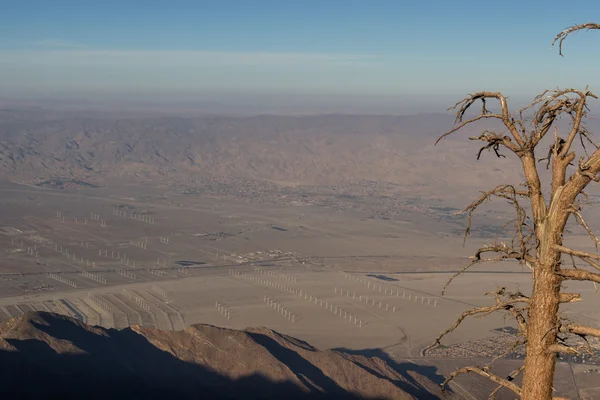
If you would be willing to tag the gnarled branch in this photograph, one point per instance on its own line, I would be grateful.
(505, 251)
(507, 304)
(564, 34)
(581, 221)
(508, 192)
(494, 140)
(570, 297)
(579, 275)
(577, 253)
(463, 106)
(551, 104)
(509, 378)
(582, 255)
(588, 171)
(561, 348)
(581, 330)
(480, 371)
(577, 111)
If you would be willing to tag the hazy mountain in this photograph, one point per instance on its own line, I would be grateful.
(292, 150)
(327, 149)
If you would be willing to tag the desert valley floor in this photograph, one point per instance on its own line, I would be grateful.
(135, 255)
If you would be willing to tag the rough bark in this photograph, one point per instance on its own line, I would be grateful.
(542, 317)
(538, 373)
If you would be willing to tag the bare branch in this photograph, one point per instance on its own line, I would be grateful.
(508, 192)
(494, 140)
(463, 106)
(466, 267)
(592, 177)
(553, 103)
(579, 275)
(581, 221)
(581, 330)
(592, 263)
(576, 253)
(521, 254)
(503, 227)
(563, 35)
(588, 171)
(578, 108)
(509, 378)
(520, 318)
(494, 378)
(582, 255)
(561, 348)
(508, 305)
(584, 134)
(570, 297)
(553, 150)
(506, 254)
(464, 123)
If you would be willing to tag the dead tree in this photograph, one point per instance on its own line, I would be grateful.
(540, 217)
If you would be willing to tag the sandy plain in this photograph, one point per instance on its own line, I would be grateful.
(142, 255)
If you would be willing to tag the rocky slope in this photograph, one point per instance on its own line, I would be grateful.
(45, 355)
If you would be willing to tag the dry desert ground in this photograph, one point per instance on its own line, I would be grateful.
(119, 257)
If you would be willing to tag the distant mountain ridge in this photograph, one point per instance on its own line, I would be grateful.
(67, 359)
(292, 150)
(265, 147)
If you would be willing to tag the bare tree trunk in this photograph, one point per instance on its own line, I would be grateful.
(541, 333)
(543, 319)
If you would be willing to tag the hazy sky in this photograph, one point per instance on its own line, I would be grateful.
(367, 52)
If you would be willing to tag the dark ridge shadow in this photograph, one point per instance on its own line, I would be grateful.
(36, 371)
(296, 341)
(126, 366)
(306, 372)
(411, 386)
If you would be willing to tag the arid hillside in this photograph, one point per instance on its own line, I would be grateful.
(66, 358)
(314, 150)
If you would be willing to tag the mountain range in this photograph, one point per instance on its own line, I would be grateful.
(46, 355)
(287, 150)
